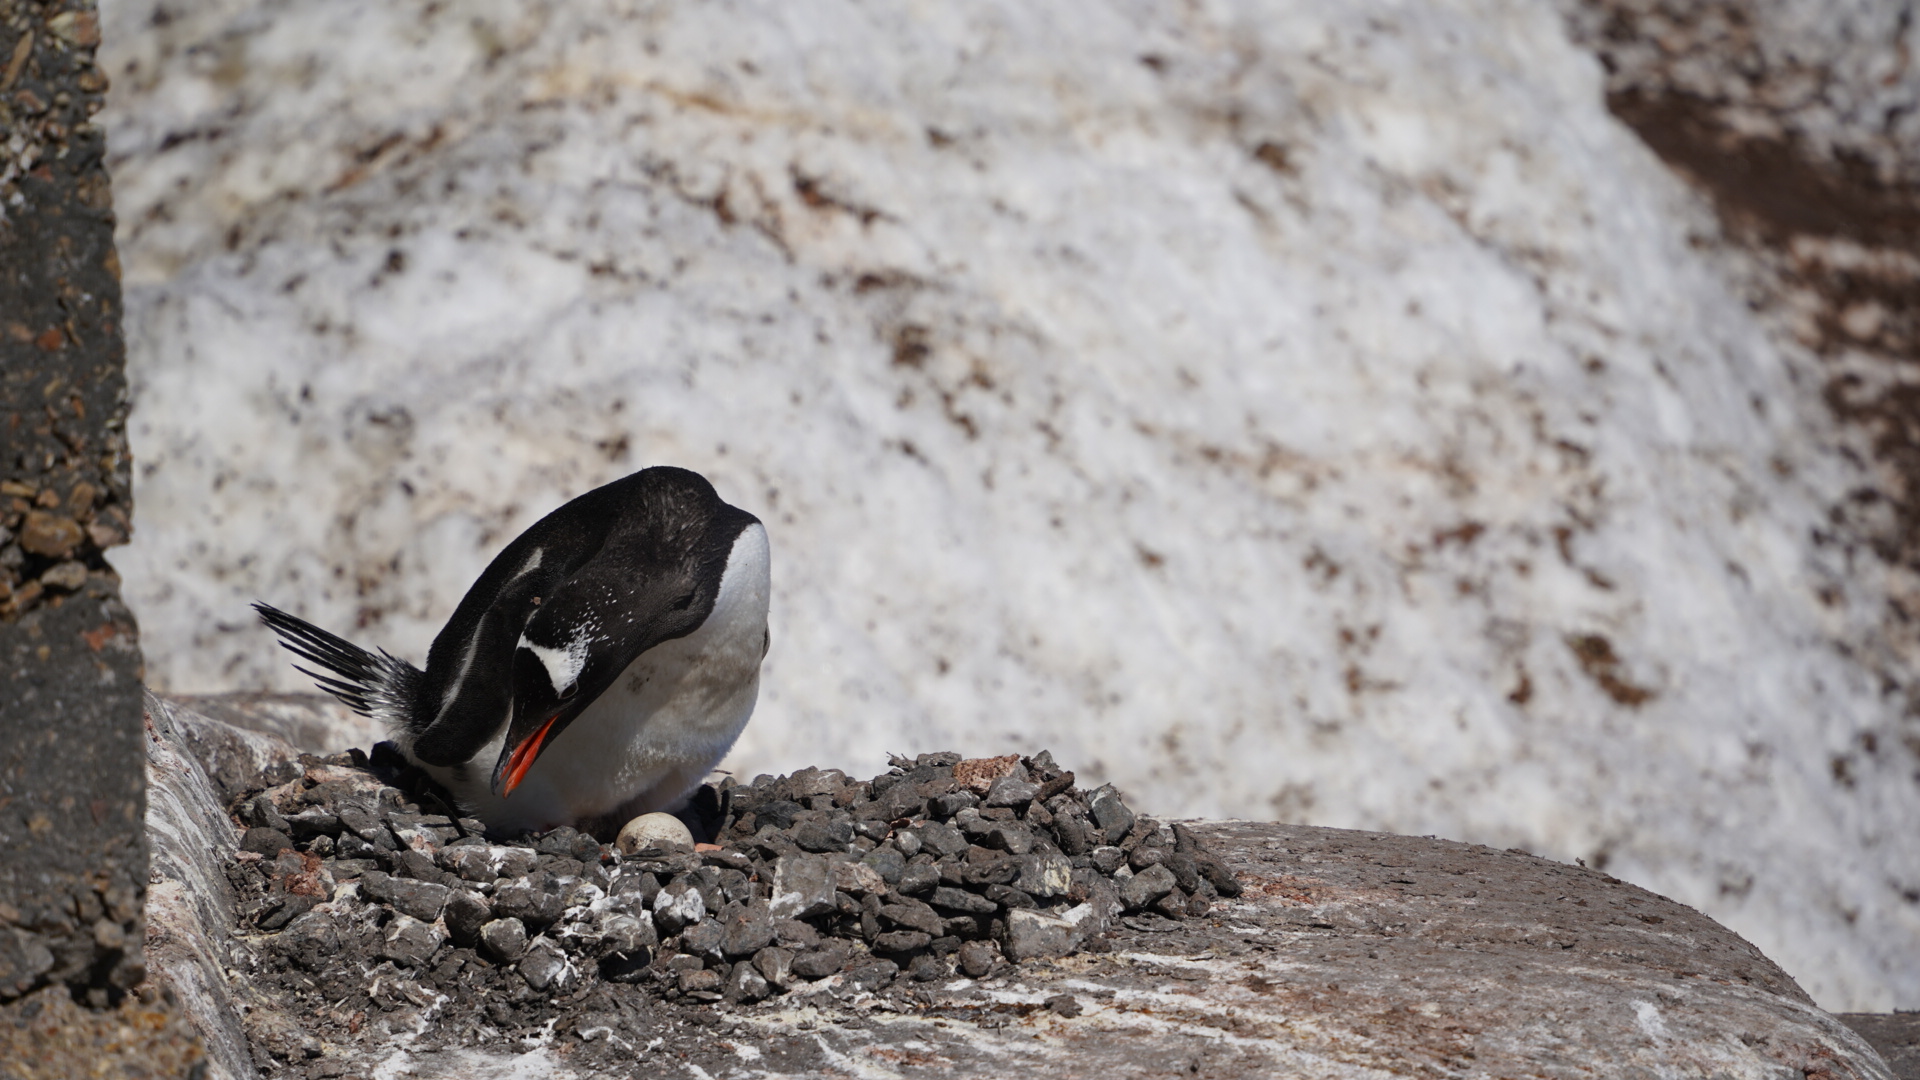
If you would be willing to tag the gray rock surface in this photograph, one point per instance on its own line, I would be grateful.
(1349, 955)
(1896, 1036)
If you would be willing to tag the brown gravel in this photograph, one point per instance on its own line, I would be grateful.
(45, 1036)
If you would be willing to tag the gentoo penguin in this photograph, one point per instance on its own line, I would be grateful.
(600, 668)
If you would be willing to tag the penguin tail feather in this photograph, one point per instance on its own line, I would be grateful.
(379, 685)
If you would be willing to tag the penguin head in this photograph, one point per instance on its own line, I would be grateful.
(578, 641)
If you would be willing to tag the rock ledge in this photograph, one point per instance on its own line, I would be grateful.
(1348, 955)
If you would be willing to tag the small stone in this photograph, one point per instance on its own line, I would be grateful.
(557, 841)
(985, 866)
(1173, 905)
(1007, 896)
(705, 940)
(1011, 791)
(902, 801)
(504, 940)
(419, 899)
(795, 934)
(312, 941)
(1035, 934)
(778, 813)
(365, 824)
(65, 577)
(1045, 875)
(858, 879)
(544, 966)
(1186, 873)
(977, 958)
(941, 839)
(901, 941)
(465, 913)
(979, 774)
(77, 28)
(823, 836)
(1107, 859)
(1217, 874)
(802, 887)
(709, 881)
(310, 824)
(913, 915)
(627, 934)
(472, 862)
(747, 929)
(651, 831)
(1064, 1005)
(888, 862)
(746, 984)
(775, 964)
(419, 866)
(917, 878)
(513, 862)
(51, 535)
(1145, 887)
(535, 901)
(964, 901)
(265, 841)
(410, 941)
(872, 975)
(812, 781)
(679, 905)
(1009, 836)
(1145, 854)
(260, 810)
(827, 960)
(946, 806)
(1110, 813)
(928, 968)
(698, 979)
(1075, 835)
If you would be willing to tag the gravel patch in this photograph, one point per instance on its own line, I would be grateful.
(367, 903)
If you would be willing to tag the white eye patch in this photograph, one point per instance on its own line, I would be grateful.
(563, 664)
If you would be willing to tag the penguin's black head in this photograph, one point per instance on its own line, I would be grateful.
(573, 649)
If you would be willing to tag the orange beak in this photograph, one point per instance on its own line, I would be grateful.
(522, 758)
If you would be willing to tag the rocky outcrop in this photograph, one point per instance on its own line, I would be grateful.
(1348, 955)
(72, 861)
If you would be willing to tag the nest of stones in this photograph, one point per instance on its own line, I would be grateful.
(940, 864)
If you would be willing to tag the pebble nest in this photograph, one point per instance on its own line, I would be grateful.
(366, 901)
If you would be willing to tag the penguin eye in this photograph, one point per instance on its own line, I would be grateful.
(683, 603)
(572, 689)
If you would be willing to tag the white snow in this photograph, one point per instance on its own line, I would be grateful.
(1258, 404)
